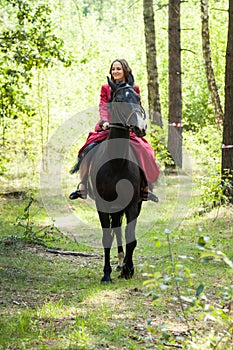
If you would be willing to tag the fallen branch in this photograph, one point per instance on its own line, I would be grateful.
(15, 194)
(174, 345)
(67, 252)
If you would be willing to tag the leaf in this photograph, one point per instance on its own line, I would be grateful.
(158, 243)
(26, 209)
(217, 255)
(163, 286)
(156, 296)
(186, 299)
(178, 279)
(165, 335)
(182, 256)
(167, 231)
(228, 261)
(210, 254)
(202, 240)
(200, 289)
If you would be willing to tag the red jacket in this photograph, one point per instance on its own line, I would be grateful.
(142, 148)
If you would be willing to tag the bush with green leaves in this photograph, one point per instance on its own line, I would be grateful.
(175, 285)
(28, 43)
(31, 232)
(204, 147)
(158, 140)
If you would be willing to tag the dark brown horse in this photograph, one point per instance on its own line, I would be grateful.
(115, 178)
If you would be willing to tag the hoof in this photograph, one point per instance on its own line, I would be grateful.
(106, 279)
(127, 272)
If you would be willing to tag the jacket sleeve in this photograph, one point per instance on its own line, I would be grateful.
(103, 105)
(137, 89)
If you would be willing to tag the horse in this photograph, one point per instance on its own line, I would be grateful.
(115, 179)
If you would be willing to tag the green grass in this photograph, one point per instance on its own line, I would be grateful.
(53, 301)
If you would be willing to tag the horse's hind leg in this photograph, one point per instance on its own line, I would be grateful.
(107, 243)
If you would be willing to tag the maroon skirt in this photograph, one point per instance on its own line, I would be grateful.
(141, 147)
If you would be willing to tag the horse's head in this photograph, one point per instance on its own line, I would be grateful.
(126, 108)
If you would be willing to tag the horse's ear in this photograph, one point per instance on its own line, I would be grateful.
(111, 84)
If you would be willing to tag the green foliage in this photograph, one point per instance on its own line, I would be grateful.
(27, 43)
(39, 46)
(198, 111)
(208, 252)
(204, 146)
(175, 284)
(38, 37)
(158, 140)
(51, 300)
(33, 234)
(213, 191)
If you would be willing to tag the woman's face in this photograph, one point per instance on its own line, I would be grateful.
(117, 72)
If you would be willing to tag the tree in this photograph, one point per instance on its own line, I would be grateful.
(212, 86)
(175, 97)
(27, 44)
(227, 147)
(152, 70)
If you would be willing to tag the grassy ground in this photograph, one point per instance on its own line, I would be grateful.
(54, 301)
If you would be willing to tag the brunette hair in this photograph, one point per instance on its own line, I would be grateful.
(126, 69)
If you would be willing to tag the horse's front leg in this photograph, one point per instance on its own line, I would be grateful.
(131, 243)
(107, 243)
(116, 226)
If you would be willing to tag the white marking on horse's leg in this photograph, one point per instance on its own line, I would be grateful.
(121, 259)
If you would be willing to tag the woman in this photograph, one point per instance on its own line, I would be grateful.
(119, 72)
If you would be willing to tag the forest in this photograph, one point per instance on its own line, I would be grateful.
(55, 56)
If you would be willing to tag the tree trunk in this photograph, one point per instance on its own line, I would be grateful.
(175, 97)
(208, 62)
(227, 147)
(152, 70)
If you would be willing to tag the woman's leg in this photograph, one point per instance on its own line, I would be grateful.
(82, 166)
(81, 191)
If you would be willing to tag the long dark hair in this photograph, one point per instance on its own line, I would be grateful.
(126, 69)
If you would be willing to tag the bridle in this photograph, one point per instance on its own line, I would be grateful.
(125, 123)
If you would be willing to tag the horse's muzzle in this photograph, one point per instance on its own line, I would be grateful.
(140, 132)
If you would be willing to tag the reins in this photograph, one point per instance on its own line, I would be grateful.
(123, 127)
(125, 122)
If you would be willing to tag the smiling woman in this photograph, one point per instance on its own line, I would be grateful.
(120, 71)
(117, 71)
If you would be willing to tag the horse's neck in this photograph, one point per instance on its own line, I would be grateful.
(119, 147)
(119, 132)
